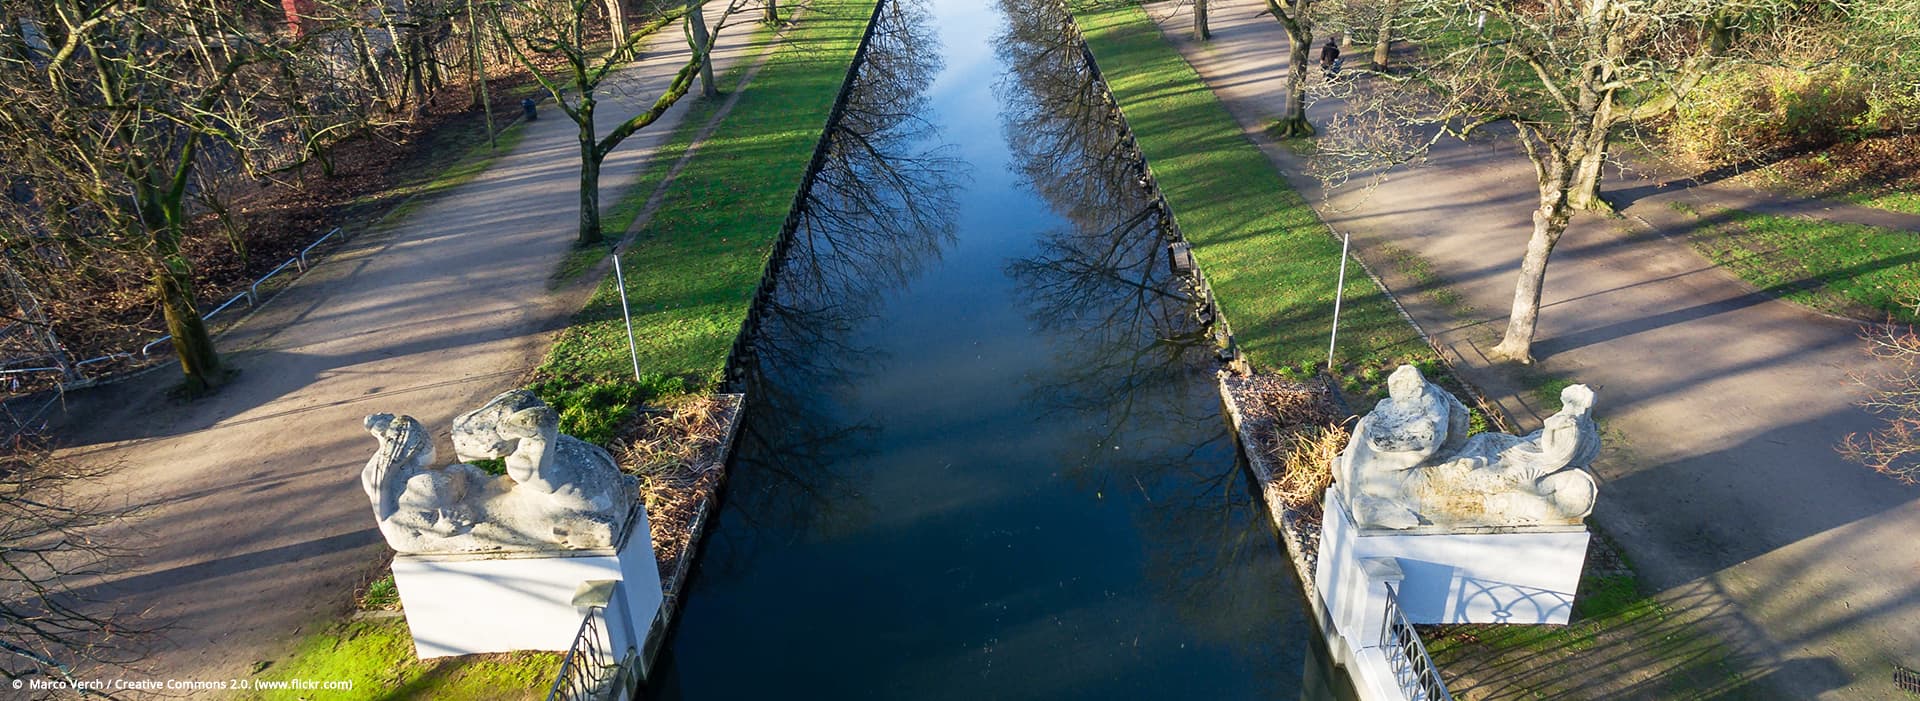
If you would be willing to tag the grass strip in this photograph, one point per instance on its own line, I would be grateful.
(1849, 269)
(692, 274)
(692, 271)
(376, 659)
(1273, 267)
(1272, 263)
(633, 200)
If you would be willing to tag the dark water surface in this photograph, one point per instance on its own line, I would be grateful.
(983, 456)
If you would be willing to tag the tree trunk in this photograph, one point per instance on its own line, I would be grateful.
(369, 70)
(773, 12)
(1584, 193)
(1383, 34)
(172, 277)
(474, 37)
(1293, 123)
(1549, 222)
(198, 362)
(617, 24)
(1200, 30)
(590, 157)
(397, 42)
(698, 21)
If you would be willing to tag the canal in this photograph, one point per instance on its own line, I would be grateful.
(983, 455)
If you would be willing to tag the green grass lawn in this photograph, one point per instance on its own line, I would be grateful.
(1272, 263)
(377, 658)
(627, 208)
(1902, 198)
(1849, 269)
(692, 271)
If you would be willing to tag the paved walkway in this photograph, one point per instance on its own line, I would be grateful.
(259, 529)
(1722, 406)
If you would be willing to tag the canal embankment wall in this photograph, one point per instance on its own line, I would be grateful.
(702, 269)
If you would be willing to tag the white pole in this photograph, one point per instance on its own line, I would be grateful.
(1345, 240)
(620, 278)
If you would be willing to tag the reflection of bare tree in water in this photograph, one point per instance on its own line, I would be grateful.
(1099, 283)
(879, 210)
(1133, 364)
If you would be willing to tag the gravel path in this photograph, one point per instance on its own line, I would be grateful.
(259, 530)
(1722, 405)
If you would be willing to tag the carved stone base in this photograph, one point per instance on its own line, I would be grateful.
(465, 604)
(1513, 574)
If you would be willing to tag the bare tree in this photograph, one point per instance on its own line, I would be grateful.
(1297, 17)
(1563, 74)
(1893, 393)
(1201, 31)
(1373, 22)
(701, 41)
(558, 29)
(113, 119)
(51, 546)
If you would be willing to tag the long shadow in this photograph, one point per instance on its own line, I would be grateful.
(1626, 197)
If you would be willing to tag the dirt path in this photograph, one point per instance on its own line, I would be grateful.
(1722, 405)
(259, 529)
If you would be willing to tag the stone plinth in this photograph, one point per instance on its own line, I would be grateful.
(1508, 574)
(458, 604)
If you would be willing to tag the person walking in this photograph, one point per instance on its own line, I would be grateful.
(1330, 56)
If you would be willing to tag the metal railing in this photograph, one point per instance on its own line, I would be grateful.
(591, 670)
(251, 296)
(1413, 669)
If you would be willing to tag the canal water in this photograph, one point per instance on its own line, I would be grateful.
(983, 455)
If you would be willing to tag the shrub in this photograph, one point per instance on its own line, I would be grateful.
(1740, 115)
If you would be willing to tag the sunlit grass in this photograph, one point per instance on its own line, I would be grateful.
(1831, 266)
(692, 271)
(377, 658)
(632, 200)
(1273, 264)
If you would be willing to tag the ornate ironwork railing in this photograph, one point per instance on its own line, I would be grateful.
(592, 670)
(1413, 669)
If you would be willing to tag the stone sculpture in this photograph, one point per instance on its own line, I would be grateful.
(559, 492)
(1411, 463)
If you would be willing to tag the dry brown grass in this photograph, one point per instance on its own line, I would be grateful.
(678, 457)
(1305, 455)
(1295, 427)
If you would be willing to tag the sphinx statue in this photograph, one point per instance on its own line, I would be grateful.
(1411, 463)
(559, 491)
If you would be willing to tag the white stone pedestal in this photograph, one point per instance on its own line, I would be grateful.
(497, 602)
(1512, 574)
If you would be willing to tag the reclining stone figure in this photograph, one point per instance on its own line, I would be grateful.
(1411, 463)
(559, 491)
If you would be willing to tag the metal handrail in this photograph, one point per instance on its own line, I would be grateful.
(255, 289)
(1413, 669)
(252, 295)
(589, 670)
(150, 344)
(303, 252)
(216, 310)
